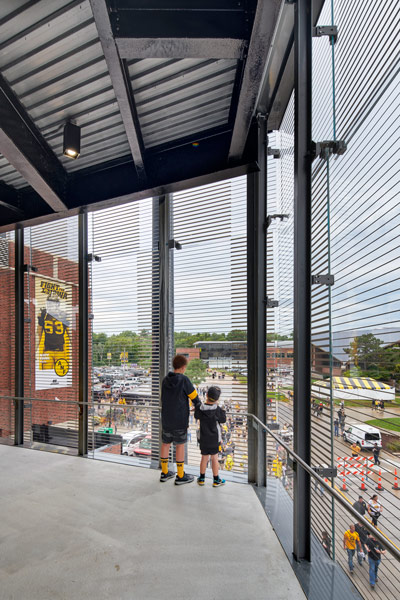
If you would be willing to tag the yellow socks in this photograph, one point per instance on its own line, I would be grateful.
(180, 469)
(164, 465)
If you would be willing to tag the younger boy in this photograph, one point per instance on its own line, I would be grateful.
(210, 416)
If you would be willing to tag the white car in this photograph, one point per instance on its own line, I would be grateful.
(130, 439)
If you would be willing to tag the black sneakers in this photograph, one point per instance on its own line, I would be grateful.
(185, 479)
(201, 480)
(166, 476)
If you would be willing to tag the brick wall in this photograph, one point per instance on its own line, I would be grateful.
(63, 271)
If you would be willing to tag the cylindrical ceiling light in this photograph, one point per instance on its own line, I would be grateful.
(72, 140)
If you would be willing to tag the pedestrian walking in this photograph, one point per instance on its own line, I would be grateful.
(375, 552)
(360, 506)
(363, 534)
(336, 426)
(351, 542)
(375, 452)
(374, 509)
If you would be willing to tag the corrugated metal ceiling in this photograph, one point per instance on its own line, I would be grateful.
(53, 60)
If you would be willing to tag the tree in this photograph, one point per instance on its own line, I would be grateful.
(196, 371)
(365, 351)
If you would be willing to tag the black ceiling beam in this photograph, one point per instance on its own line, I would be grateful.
(181, 19)
(114, 183)
(28, 152)
(121, 85)
(259, 48)
(9, 200)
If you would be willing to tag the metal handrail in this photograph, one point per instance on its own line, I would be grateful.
(377, 535)
(296, 458)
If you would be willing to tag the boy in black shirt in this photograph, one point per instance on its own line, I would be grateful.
(176, 390)
(210, 416)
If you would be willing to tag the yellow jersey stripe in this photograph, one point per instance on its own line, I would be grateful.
(193, 395)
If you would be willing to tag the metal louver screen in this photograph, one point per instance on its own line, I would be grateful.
(355, 322)
(210, 306)
(125, 350)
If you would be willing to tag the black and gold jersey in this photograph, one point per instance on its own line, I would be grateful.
(54, 329)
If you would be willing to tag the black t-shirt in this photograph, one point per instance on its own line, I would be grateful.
(54, 330)
(360, 507)
(210, 416)
(176, 390)
(372, 546)
(376, 450)
(362, 532)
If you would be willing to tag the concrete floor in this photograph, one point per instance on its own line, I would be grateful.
(75, 528)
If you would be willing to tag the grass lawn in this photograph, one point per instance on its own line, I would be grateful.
(393, 423)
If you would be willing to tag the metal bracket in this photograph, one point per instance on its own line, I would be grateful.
(324, 471)
(271, 303)
(275, 152)
(174, 244)
(330, 30)
(327, 147)
(93, 257)
(27, 320)
(28, 268)
(271, 217)
(322, 279)
(90, 316)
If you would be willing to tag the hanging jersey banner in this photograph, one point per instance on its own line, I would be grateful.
(53, 316)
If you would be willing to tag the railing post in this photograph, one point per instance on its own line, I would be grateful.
(302, 275)
(256, 310)
(83, 367)
(19, 335)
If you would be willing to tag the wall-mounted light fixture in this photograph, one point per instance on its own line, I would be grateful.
(72, 140)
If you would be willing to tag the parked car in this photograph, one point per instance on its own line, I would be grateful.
(143, 448)
(364, 435)
(130, 439)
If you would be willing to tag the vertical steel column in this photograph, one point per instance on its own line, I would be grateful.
(256, 309)
(83, 368)
(19, 335)
(164, 237)
(302, 275)
(160, 310)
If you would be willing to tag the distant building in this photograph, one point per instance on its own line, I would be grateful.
(189, 353)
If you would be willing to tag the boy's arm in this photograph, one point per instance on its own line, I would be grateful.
(191, 392)
(221, 417)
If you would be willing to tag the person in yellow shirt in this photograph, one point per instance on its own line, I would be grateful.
(355, 449)
(351, 542)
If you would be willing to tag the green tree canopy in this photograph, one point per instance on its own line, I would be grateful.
(196, 371)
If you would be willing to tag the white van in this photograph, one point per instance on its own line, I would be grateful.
(364, 435)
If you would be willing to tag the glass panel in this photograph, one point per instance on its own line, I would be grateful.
(51, 334)
(210, 311)
(7, 333)
(125, 333)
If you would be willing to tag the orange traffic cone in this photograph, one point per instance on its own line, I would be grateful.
(396, 485)
(379, 486)
(344, 488)
(362, 486)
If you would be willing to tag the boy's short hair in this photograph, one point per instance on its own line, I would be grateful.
(179, 361)
(213, 393)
